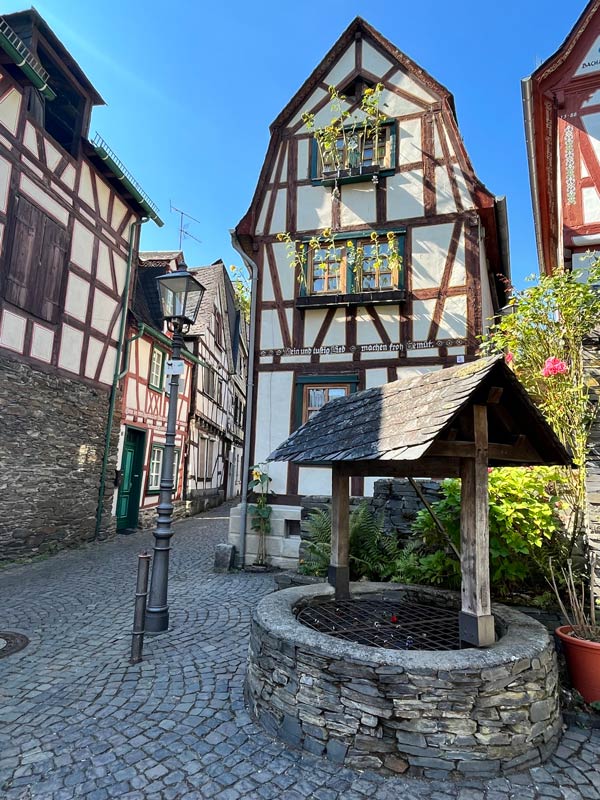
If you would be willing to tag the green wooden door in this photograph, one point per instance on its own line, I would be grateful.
(128, 501)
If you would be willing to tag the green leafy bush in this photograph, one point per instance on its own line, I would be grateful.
(525, 531)
(373, 553)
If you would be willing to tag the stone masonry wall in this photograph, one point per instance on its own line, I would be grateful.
(52, 432)
(430, 713)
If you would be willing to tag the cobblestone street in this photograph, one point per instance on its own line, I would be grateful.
(76, 720)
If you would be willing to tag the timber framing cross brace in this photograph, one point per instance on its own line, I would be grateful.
(452, 423)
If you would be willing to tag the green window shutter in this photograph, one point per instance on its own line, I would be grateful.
(314, 160)
(393, 138)
(401, 252)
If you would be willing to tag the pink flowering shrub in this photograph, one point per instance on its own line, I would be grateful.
(554, 366)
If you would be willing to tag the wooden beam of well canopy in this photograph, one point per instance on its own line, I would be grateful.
(475, 619)
(339, 573)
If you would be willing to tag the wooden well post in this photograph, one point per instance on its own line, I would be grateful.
(339, 573)
(476, 620)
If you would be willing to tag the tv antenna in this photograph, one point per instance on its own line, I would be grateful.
(183, 226)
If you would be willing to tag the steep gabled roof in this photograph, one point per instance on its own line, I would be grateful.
(403, 420)
(359, 28)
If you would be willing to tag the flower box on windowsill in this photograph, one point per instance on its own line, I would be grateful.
(352, 175)
(377, 297)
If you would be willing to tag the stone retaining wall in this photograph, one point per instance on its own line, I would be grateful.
(52, 434)
(465, 712)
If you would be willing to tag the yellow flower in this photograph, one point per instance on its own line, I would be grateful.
(256, 474)
(349, 243)
(374, 236)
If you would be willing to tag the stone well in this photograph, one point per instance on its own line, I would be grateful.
(461, 712)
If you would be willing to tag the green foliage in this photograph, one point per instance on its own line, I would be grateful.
(242, 292)
(542, 340)
(261, 511)
(525, 531)
(372, 552)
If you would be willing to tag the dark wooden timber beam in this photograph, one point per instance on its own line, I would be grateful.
(475, 619)
(520, 451)
(339, 574)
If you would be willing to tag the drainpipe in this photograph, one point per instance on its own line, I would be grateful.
(117, 371)
(253, 270)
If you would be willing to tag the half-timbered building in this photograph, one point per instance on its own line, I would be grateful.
(145, 402)
(69, 225)
(562, 124)
(218, 339)
(561, 101)
(324, 329)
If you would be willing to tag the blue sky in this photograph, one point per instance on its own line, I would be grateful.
(191, 88)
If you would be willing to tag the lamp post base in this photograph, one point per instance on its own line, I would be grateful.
(157, 621)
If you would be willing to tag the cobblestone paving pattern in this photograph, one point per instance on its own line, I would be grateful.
(77, 721)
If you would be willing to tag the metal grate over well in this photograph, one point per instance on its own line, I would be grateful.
(387, 623)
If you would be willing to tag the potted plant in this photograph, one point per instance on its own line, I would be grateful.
(580, 638)
(261, 513)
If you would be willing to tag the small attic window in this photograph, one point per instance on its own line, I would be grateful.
(63, 116)
(355, 88)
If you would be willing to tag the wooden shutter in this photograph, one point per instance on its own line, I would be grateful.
(36, 261)
(24, 252)
(51, 270)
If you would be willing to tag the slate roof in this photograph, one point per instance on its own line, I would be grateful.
(146, 301)
(149, 258)
(401, 420)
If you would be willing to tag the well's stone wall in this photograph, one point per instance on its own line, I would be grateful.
(464, 712)
(52, 432)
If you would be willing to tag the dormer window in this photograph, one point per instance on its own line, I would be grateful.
(63, 117)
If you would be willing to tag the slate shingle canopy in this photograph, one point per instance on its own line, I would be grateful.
(402, 420)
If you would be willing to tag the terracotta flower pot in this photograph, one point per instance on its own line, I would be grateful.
(583, 662)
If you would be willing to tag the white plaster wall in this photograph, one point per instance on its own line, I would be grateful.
(12, 331)
(68, 176)
(373, 61)
(396, 106)
(81, 246)
(430, 247)
(93, 356)
(591, 60)
(39, 196)
(53, 157)
(459, 270)
(407, 373)
(465, 194)
(278, 221)
(270, 330)
(103, 272)
(76, 300)
(303, 163)
(119, 211)
(120, 270)
(375, 377)
(10, 105)
(273, 403)
(487, 306)
(358, 204)
(591, 204)
(404, 81)
(314, 480)
(309, 105)
(71, 344)
(284, 271)
(422, 315)
(444, 198)
(108, 367)
(453, 324)
(104, 307)
(103, 197)
(314, 208)
(42, 340)
(366, 332)
(260, 225)
(30, 139)
(409, 141)
(85, 185)
(405, 195)
(343, 67)
(5, 171)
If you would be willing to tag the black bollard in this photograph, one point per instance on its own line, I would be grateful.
(139, 614)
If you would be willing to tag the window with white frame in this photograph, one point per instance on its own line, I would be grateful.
(155, 380)
(155, 469)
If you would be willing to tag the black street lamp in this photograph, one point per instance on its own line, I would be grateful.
(180, 297)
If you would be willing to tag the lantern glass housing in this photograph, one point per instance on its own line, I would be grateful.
(180, 295)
